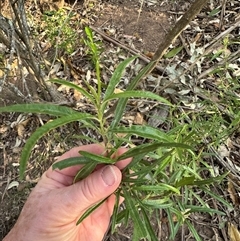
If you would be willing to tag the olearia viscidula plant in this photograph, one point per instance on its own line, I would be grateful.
(164, 170)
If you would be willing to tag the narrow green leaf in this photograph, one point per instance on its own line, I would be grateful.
(115, 79)
(214, 11)
(162, 162)
(158, 187)
(193, 231)
(85, 171)
(171, 223)
(159, 203)
(74, 86)
(41, 131)
(123, 217)
(132, 180)
(174, 225)
(115, 211)
(217, 197)
(143, 131)
(72, 161)
(139, 228)
(97, 158)
(148, 226)
(210, 180)
(138, 94)
(140, 75)
(50, 109)
(123, 102)
(88, 31)
(90, 210)
(173, 52)
(185, 181)
(94, 92)
(140, 173)
(146, 148)
(134, 162)
(203, 209)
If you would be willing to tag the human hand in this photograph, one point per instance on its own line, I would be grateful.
(55, 204)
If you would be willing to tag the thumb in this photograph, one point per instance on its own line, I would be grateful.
(97, 186)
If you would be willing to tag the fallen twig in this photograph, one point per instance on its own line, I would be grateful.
(131, 50)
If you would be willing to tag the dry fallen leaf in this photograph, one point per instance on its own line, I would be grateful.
(21, 127)
(138, 120)
(233, 194)
(20, 130)
(116, 91)
(233, 233)
(12, 184)
(3, 129)
(77, 95)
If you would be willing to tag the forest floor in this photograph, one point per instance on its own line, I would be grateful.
(126, 28)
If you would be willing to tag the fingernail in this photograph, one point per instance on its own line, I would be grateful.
(108, 175)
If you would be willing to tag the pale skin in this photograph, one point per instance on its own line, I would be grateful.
(55, 204)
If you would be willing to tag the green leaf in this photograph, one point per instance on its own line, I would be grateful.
(185, 181)
(214, 12)
(173, 52)
(217, 197)
(123, 217)
(88, 31)
(148, 226)
(140, 75)
(90, 210)
(171, 223)
(85, 171)
(203, 209)
(76, 87)
(193, 231)
(123, 102)
(41, 131)
(143, 131)
(72, 161)
(138, 94)
(49, 109)
(157, 187)
(115, 211)
(146, 148)
(97, 158)
(132, 180)
(139, 228)
(159, 203)
(134, 162)
(162, 162)
(210, 180)
(115, 79)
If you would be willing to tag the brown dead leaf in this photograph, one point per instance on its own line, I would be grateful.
(24, 123)
(116, 91)
(3, 129)
(138, 120)
(233, 194)
(1, 73)
(77, 95)
(21, 127)
(233, 233)
(20, 130)
(121, 135)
